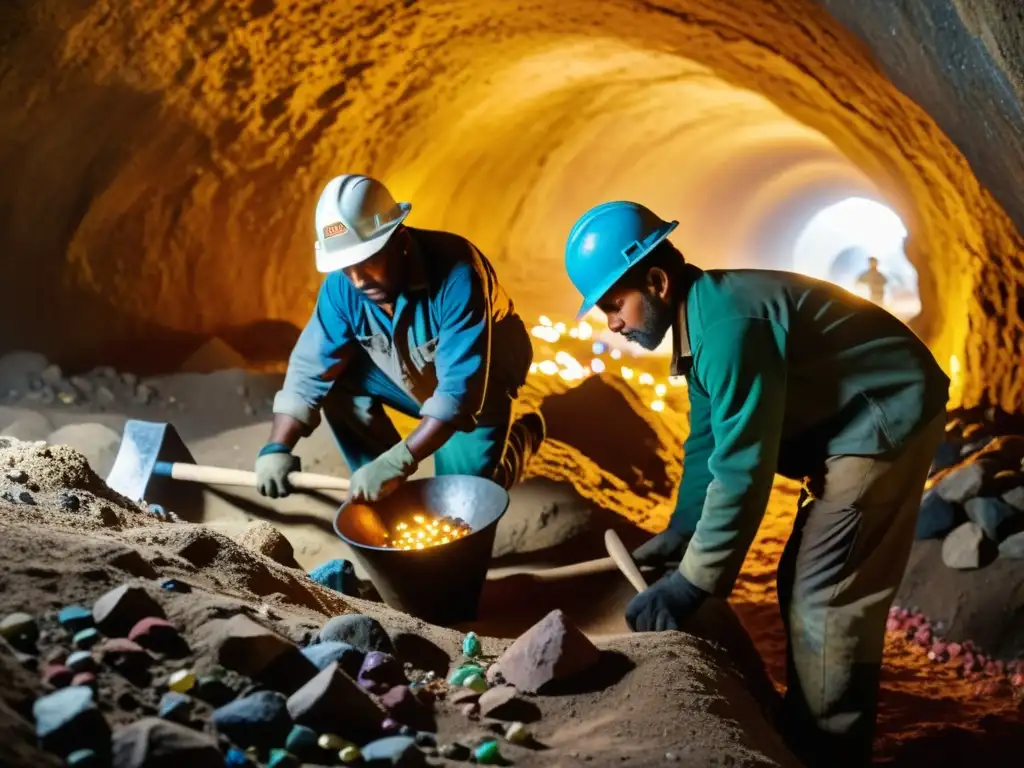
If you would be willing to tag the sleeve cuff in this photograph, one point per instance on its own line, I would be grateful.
(290, 404)
(704, 577)
(446, 408)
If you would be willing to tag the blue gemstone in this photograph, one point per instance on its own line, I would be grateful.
(235, 758)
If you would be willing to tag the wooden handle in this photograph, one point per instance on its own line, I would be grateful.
(619, 553)
(305, 481)
(586, 568)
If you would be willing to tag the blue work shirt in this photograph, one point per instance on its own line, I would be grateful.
(454, 344)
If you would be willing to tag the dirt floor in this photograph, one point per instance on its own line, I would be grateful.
(581, 484)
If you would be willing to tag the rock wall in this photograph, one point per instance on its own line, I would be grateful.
(161, 161)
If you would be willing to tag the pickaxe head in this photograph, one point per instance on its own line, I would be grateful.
(144, 444)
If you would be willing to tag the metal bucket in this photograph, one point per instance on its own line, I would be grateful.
(441, 584)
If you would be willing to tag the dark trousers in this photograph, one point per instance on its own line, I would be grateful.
(837, 579)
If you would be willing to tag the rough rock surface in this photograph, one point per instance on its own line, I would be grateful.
(552, 650)
(962, 547)
(210, 149)
(97, 442)
(264, 538)
(155, 743)
(332, 703)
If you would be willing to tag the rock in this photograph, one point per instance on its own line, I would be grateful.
(75, 618)
(553, 649)
(116, 612)
(487, 753)
(176, 707)
(332, 702)
(517, 733)
(963, 482)
(83, 385)
(97, 442)
(381, 671)
(51, 374)
(935, 518)
(1012, 547)
(57, 675)
(260, 720)
(463, 672)
(322, 655)
(1015, 498)
(128, 658)
(947, 455)
(155, 743)
(17, 368)
(995, 517)
(961, 549)
(282, 758)
(459, 696)
(20, 630)
(455, 751)
(303, 742)
(502, 703)
(160, 636)
(244, 646)
(361, 632)
(32, 426)
(394, 751)
(84, 678)
(68, 720)
(263, 538)
(174, 585)
(406, 708)
(339, 575)
(213, 690)
(144, 394)
(80, 661)
(86, 638)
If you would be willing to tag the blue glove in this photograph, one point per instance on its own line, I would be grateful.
(664, 604)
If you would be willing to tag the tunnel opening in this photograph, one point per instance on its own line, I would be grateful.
(838, 243)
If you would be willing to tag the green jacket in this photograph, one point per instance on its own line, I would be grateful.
(783, 371)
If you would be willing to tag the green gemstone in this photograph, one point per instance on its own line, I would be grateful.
(476, 683)
(83, 758)
(471, 645)
(464, 672)
(282, 758)
(301, 740)
(350, 754)
(487, 753)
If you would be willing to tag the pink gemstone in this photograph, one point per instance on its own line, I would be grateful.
(57, 675)
(892, 624)
(85, 678)
(1017, 680)
(955, 649)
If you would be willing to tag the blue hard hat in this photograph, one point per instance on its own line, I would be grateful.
(605, 242)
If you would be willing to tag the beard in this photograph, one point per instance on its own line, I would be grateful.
(657, 320)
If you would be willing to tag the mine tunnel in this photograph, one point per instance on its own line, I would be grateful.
(161, 166)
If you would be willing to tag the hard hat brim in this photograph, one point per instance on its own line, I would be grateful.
(332, 261)
(592, 298)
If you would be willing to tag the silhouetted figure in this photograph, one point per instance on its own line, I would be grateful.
(874, 280)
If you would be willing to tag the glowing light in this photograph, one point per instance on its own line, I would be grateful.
(544, 320)
(627, 373)
(660, 390)
(571, 369)
(646, 379)
(560, 327)
(677, 381)
(548, 367)
(533, 367)
(616, 354)
(658, 405)
(546, 333)
(597, 366)
(574, 333)
(422, 532)
(599, 348)
(586, 330)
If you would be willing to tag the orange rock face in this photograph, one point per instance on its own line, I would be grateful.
(161, 160)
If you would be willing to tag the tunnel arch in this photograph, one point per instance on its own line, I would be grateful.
(162, 190)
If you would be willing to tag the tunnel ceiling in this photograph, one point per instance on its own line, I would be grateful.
(161, 161)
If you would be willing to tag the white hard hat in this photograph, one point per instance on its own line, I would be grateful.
(355, 218)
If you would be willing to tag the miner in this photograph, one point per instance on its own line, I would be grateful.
(414, 320)
(874, 280)
(789, 375)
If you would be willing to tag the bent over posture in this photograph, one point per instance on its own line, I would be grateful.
(789, 375)
(411, 319)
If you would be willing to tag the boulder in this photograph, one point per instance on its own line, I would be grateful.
(97, 442)
(322, 655)
(961, 549)
(260, 720)
(963, 482)
(361, 632)
(994, 516)
(176, 707)
(936, 517)
(242, 645)
(155, 743)
(127, 657)
(332, 702)
(404, 706)
(552, 649)
(263, 538)
(947, 455)
(69, 720)
(503, 703)
(31, 427)
(380, 671)
(120, 609)
(1012, 547)
(1015, 498)
(160, 636)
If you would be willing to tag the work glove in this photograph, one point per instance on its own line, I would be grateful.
(664, 605)
(667, 547)
(374, 481)
(273, 465)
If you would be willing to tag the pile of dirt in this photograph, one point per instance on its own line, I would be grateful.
(655, 697)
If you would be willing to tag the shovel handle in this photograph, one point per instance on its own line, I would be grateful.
(618, 552)
(198, 473)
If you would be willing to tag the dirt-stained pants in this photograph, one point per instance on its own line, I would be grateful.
(837, 579)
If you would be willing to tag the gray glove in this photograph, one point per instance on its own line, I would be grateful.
(272, 474)
(667, 547)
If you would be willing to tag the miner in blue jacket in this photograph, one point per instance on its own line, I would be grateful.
(411, 319)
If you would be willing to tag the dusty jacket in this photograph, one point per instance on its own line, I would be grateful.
(783, 372)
